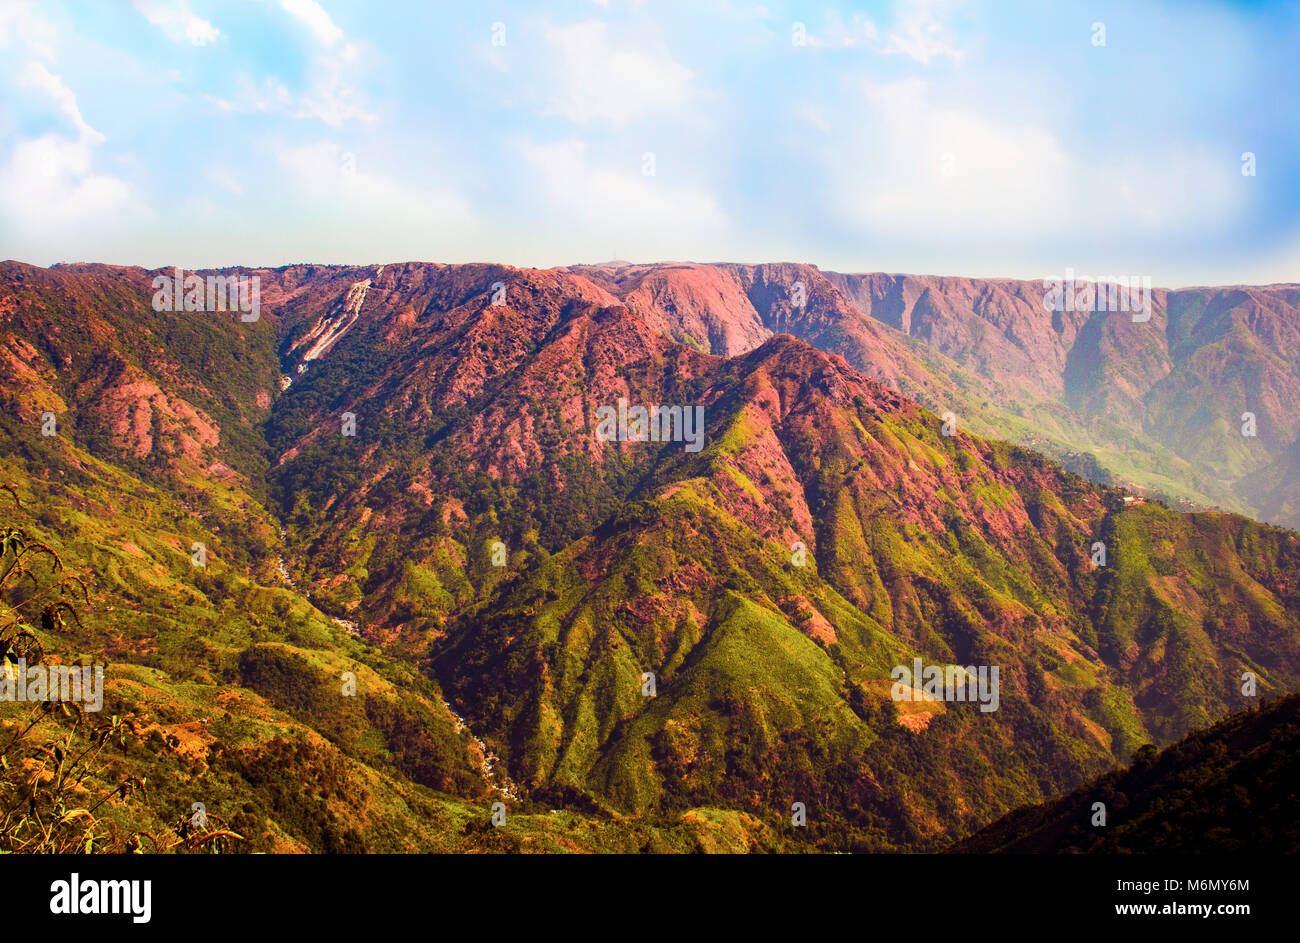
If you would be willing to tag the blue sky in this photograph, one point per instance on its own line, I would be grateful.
(928, 137)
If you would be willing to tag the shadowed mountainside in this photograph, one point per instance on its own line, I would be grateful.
(1227, 789)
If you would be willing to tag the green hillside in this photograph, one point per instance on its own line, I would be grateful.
(498, 583)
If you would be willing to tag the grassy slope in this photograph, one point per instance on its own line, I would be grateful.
(235, 686)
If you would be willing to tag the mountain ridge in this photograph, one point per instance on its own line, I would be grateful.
(473, 427)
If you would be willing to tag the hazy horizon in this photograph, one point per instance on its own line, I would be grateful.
(659, 262)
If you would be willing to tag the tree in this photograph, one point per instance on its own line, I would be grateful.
(53, 780)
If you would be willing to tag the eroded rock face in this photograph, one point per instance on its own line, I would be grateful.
(142, 418)
(84, 343)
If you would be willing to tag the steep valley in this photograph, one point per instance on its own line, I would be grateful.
(393, 473)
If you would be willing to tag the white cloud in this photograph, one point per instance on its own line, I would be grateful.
(177, 22)
(313, 16)
(271, 96)
(911, 167)
(610, 201)
(226, 180)
(48, 184)
(594, 77)
(331, 95)
(19, 19)
(860, 31)
(1175, 187)
(325, 172)
(332, 98)
(38, 76)
(49, 181)
(920, 34)
(815, 116)
(495, 58)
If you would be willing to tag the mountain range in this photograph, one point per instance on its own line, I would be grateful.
(394, 472)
